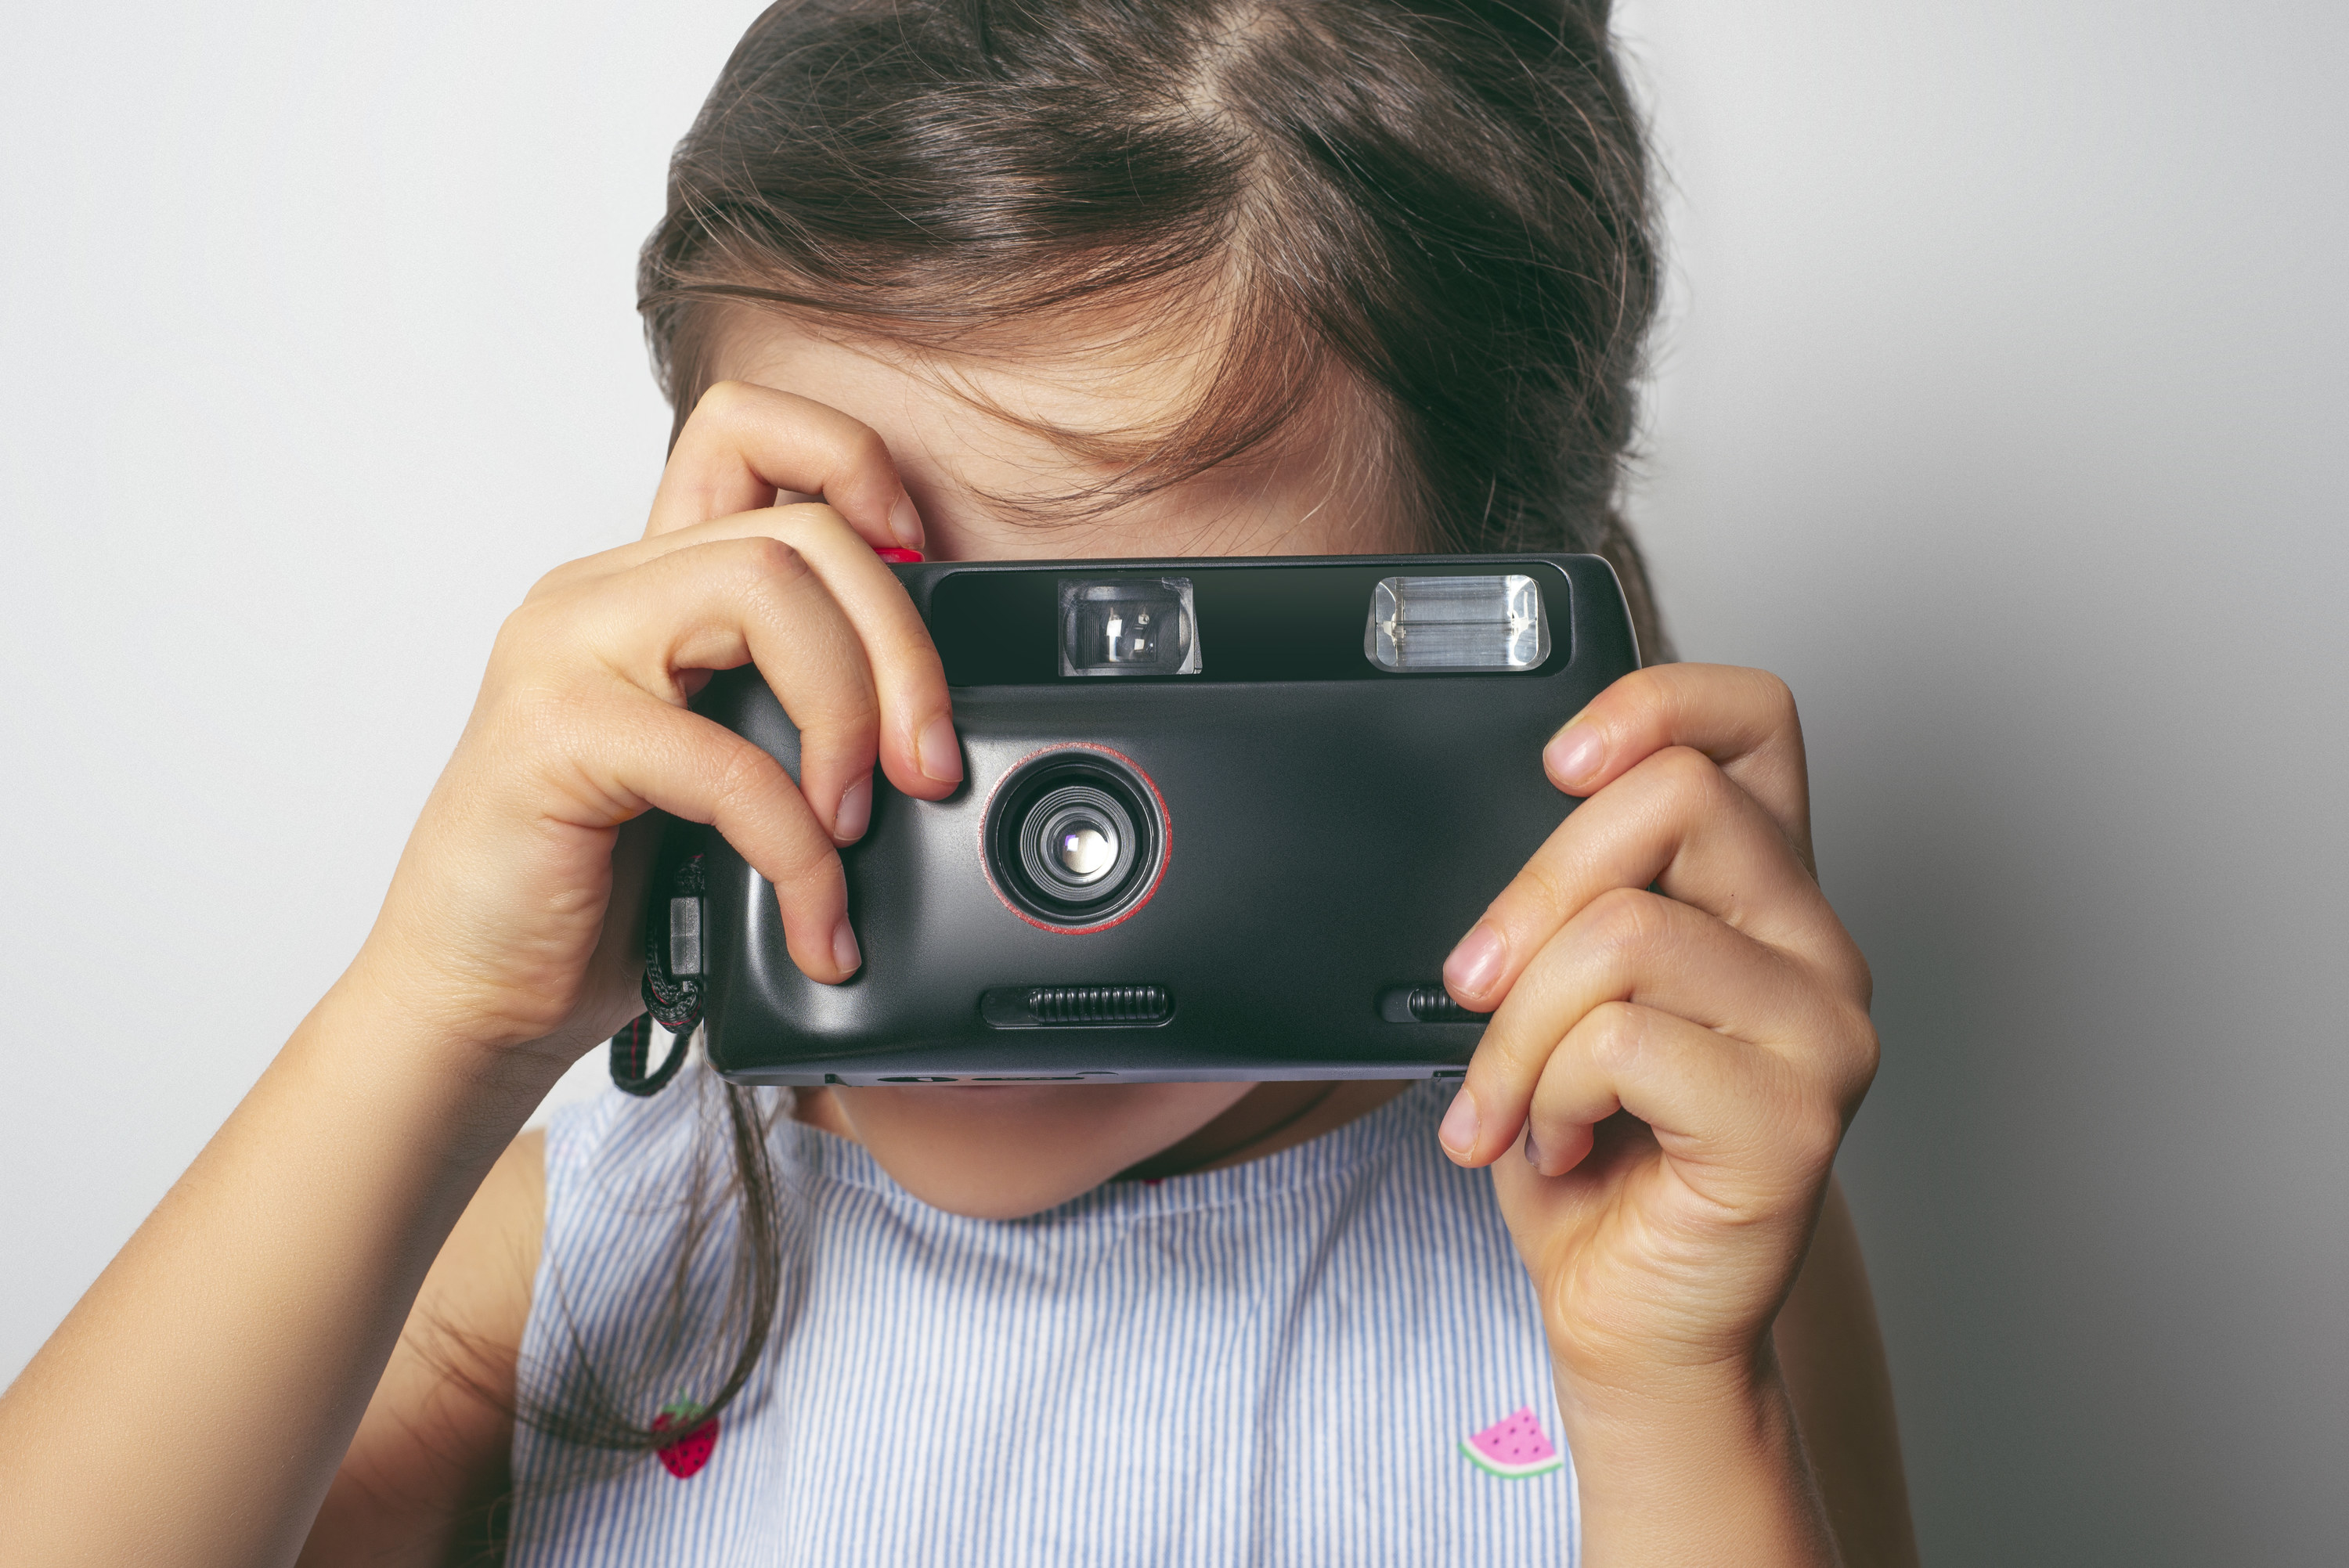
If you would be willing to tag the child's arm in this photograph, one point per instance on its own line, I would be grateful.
(1828, 1345)
(193, 1407)
(1680, 1036)
(421, 1483)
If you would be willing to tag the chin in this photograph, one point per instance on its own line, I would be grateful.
(1005, 1152)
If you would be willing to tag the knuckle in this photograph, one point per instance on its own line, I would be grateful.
(768, 556)
(767, 568)
(811, 868)
(1540, 892)
(847, 729)
(558, 581)
(1812, 1132)
(516, 633)
(1626, 924)
(749, 787)
(1688, 777)
(1685, 767)
(1860, 979)
(724, 400)
(1775, 696)
(862, 446)
(1512, 1049)
(910, 668)
(750, 778)
(524, 637)
(860, 715)
(1618, 1038)
(1861, 1056)
(1840, 970)
(1658, 695)
(1806, 1124)
(816, 517)
(1642, 690)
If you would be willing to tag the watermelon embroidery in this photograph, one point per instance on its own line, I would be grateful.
(691, 1451)
(1513, 1446)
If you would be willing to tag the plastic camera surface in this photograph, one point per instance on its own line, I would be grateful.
(1221, 819)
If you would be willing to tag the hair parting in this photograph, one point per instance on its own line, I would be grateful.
(1442, 203)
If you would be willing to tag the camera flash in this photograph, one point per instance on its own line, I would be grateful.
(1456, 624)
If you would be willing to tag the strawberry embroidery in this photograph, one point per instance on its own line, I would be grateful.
(691, 1451)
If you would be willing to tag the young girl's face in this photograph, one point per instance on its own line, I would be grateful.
(987, 484)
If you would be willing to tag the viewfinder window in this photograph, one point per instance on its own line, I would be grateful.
(1128, 626)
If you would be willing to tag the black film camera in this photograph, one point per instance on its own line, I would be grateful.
(1221, 819)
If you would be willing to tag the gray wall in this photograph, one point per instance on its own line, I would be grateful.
(1999, 410)
(2003, 414)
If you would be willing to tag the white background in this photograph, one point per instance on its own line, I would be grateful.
(1999, 408)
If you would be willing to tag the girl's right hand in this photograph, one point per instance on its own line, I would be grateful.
(507, 923)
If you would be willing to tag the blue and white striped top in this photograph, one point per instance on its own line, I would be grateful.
(1273, 1363)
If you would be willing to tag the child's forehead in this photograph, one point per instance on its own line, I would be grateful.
(1006, 429)
(1069, 393)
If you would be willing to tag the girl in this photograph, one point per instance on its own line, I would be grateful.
(1088, 278)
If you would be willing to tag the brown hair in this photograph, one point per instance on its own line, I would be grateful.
(1441, 205)
(1445, 204)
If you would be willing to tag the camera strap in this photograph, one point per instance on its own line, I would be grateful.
(672, 999)
(632, 1050)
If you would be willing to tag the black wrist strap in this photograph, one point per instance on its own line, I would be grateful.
(673, 1001)
(632, 1050)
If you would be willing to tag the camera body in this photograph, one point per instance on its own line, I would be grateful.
(1221, 819)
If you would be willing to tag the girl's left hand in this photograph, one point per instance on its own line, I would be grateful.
(1680, 1037)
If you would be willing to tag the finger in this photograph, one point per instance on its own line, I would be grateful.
(1745, 720)
(744, 443)
(917, 746)
(1739, 1126)
(645, 754)
(1677, 823)
(1638, 948)
(757, 600)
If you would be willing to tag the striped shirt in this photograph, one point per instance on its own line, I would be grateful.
(1273, 1363)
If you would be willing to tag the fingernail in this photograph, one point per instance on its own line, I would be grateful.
(936, 752)
(844, 952)
(1575, 754)
(1475, 963)
(1533, 1155)
(854, 812)
(906, 523)
(1458, 1132)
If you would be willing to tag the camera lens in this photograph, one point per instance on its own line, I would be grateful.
(1085, 848)
(1073, 838)
(1076, 842)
